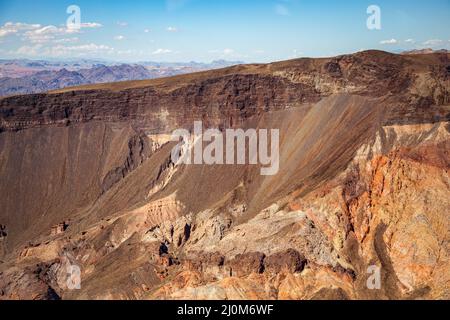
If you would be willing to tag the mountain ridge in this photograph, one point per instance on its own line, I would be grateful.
(25, 77)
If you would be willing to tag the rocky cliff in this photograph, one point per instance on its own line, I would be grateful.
(87, 180)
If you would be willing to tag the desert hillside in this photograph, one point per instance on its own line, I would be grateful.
(87, 179)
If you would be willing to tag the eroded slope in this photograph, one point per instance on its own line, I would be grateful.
(87, 179)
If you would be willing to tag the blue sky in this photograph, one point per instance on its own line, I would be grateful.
(205, 30)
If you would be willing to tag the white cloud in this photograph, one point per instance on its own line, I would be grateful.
(161, 51)
(391, 41)
(119, 38)
(36, 33)
(4, 33)
(11, 28)
(228, 51)
(91, 25)
(172, 29)
(66, 40)
(29, 50)
(80, 50)
(60, 50)
(44, 34)
(147, 30)
(281, 10)
(410, 41)
(122, 23)
(433, 42)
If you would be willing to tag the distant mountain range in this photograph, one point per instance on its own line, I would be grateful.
(29, 76)
(423, 51)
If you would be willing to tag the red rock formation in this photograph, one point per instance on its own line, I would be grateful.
(363, 182)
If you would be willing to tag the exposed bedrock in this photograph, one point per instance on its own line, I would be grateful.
(87, 180)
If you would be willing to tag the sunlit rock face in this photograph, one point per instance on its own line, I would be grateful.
(88, 186)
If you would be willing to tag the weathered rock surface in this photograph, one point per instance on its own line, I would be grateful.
(87, 181)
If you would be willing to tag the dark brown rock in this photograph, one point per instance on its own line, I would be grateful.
(3, 232)
(289, 261)
(245, 264)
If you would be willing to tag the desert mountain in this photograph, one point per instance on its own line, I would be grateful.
(87, 179)
(49, 80)
(425, 51)
(25, 76)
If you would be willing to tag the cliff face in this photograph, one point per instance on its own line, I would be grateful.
(87, 180)
(413, 86)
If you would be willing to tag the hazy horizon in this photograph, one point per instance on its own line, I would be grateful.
(204, 31)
